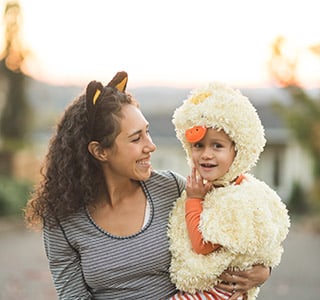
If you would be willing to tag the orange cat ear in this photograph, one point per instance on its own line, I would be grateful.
(119, 81)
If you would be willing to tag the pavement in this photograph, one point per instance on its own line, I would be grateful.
(24, 272)
(298, 275)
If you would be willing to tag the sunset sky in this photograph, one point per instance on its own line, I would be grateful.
(167, 42)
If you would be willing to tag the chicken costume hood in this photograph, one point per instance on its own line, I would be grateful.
(221, 107)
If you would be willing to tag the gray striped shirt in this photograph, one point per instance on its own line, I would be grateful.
(88, 263)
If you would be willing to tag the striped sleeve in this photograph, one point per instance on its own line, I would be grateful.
(180, 181)
(65, 266)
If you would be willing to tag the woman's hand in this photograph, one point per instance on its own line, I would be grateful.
(240, 282)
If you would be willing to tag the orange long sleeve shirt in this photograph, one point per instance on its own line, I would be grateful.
(192, 214)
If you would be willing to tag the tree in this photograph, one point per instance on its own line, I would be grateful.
(15, 114)
(303, 116)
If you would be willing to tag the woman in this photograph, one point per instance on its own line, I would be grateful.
(103, 210)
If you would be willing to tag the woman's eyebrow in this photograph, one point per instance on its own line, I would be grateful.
(138, 131)
(134, 133)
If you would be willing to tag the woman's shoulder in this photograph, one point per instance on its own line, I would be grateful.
(166, 179)
(72, 220)
(167, 175)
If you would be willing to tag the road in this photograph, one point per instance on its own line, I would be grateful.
(298, 275)
(24, 272)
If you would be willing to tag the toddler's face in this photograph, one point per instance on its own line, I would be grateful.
(213, 155)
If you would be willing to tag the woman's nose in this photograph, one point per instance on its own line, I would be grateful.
(150, 146)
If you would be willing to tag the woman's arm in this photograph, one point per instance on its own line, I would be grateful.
(240, 282)
(65, 265)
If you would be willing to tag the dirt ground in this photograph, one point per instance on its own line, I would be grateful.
(24, 272)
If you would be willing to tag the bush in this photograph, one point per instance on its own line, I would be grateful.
(297, 202)
(13, 195)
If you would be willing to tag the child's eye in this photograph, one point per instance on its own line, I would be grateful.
(217, 145)
(197, 145)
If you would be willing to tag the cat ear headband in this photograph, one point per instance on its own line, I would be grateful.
(95, 92)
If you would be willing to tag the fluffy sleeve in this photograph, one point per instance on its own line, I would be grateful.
(190, 271)
(248, 219)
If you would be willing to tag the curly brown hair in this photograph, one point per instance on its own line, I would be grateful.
(71, 177)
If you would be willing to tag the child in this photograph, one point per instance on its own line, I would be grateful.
(226, 218)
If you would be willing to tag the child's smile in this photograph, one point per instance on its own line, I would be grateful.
(213, 155)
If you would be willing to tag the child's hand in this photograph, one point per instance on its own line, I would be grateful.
(196, 188)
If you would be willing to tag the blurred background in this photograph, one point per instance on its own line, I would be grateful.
(270, 50)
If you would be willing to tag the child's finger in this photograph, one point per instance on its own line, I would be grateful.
(193, 174)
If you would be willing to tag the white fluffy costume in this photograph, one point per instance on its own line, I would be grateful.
(248, 220)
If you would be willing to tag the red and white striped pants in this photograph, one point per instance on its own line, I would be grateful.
(214, 294)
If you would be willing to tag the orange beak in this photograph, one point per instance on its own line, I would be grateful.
(195, 134)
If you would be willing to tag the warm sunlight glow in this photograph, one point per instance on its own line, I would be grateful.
(176, 43)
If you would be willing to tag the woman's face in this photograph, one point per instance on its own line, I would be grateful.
(131, 153)
(213, 155)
